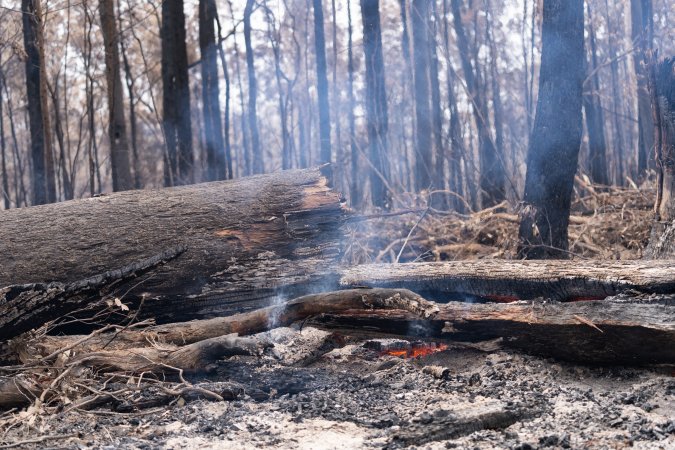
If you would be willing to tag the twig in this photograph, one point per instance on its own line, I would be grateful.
(38, 440)
(410, 234)
(587, 322)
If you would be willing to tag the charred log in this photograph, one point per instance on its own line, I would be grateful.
(500, 280)
(594, 332)
(246, 242)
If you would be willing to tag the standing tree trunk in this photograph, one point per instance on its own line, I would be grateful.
(423, 145)
(213, 130)
(256, 151)
(322, 83)
(556, 137)
(117, 133)
(595, 121)
(662, 89)
(376, 103)
(226, 76)
(436, 114)
(44, 183)
(456, 141)
(176, 98)
(354, 191)
(491, 168)
(3, 157)
(642, 33)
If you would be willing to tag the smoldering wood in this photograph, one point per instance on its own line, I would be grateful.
(246, 241)
(509, 280)
(248, 323)
(594, 332)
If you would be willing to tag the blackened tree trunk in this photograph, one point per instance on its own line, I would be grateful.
(3, 157)
(642, 33)
(556, 137)
(595, 121)
(423, 145)
(492, 174)
(322, 83)
(354, 191)
(117, 130)
(213, 130)
(376, 103)
(662, 90)
(436, 114)
(456, 141)
(176, 97)
(226, 120)
(257, 164)
(44, 185)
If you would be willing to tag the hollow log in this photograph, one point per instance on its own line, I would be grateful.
(508, 280)
(594, 332)
(242, 244)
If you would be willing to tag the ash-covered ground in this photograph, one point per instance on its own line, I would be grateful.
(295, 396)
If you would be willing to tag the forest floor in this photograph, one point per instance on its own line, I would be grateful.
(299, 395)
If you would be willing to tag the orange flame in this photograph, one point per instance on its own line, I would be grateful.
(417, 350)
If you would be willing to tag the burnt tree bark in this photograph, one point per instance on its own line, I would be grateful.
(423, 144)
(376, 103)
(213, 130)
(246, 242)
(177, 126)
(642, 33)
(662, 89)
(43, 180)
(117, 129)
(354, 192)
(322, 83)
(257, 164)
(556, 137)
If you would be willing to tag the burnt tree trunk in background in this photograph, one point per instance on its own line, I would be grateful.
(322, 83)
(423, 144)
(213, 130)
(354, 191)
(3, 154)
(226, 119)
(556, 137)
(117, 130)
(662, 90)
(595, 120)
(642, 33)
(176, 96)
(456, 141)
(43, 180)
(376, 103)
(492, 171)
(231, 246)
(257, 164)
(436, 114)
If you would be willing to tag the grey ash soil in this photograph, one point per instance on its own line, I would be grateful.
(355, 398)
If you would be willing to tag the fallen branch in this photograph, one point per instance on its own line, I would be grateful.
(509, 280)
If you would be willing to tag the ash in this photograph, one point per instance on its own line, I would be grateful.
(315, 390)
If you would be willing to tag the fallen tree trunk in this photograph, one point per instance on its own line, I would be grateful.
(595, 332)
(236, 245)
(507, 280)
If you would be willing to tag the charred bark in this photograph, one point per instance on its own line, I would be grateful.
(257, 164)
(376, 103)
(556, 137)
(423, 144)
(176, 96)
(322, 83)
(662, 89)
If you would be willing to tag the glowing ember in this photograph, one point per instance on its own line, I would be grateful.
(416, 350)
